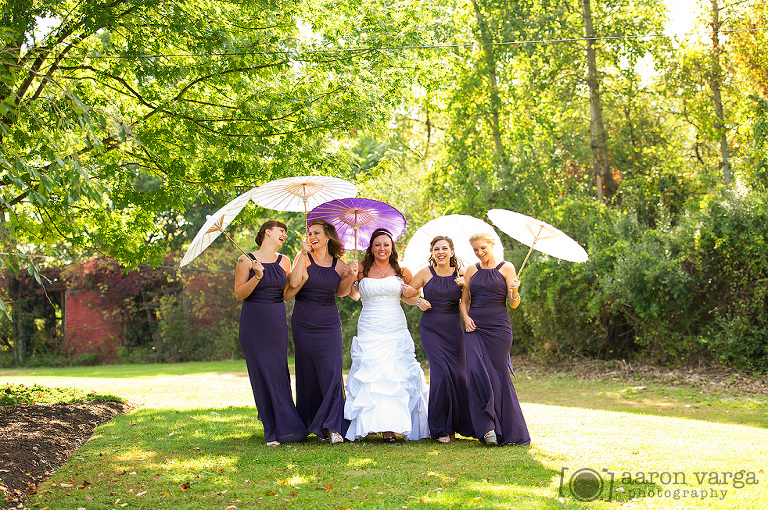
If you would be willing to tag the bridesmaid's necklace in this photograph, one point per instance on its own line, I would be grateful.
(379, 271)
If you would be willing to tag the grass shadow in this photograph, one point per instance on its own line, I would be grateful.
(208, 458)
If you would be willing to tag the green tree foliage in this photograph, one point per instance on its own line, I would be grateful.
(115, 113)
(748, 43)
(535, 52)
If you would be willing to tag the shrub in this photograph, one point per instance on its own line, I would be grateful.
(685, 290)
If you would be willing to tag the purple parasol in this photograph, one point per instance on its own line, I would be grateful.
(355, 220)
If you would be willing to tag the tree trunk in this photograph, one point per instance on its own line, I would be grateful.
(490, 62)
(17, 318)
(603, 177)
(715, 85)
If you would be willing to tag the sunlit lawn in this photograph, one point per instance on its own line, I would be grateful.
(194, 442)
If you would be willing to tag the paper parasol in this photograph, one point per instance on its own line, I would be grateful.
(355, 220)
(214, 226)
(537, 234)
(301, 194)
(459, 228)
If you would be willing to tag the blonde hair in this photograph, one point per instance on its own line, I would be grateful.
(482, 235)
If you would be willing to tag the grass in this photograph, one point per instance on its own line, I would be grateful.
(15, 394)
(195, 443)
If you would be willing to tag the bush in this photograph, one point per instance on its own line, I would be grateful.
(562, 304)
(690, 289)
(728, 259)
(192, 330)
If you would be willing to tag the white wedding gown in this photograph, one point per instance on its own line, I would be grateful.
(386, 388)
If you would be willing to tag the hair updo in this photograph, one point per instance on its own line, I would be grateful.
(266, 226)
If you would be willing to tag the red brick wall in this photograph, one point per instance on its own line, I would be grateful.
(89, 327)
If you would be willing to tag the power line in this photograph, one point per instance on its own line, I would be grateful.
(370, 49)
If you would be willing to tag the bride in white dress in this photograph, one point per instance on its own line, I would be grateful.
(386, 388)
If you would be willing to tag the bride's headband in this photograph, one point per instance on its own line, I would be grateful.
(380, 231)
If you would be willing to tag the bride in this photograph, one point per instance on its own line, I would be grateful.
(386, 388)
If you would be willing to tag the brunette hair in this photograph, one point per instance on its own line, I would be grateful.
(453, 262)
(266, 226)
(335, 248)
(393, 257)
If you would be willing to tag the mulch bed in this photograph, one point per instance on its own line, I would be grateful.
(36, 439)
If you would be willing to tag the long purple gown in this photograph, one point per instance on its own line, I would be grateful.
(493, 403)
(264, 340)
(316, 330)
(442, 337)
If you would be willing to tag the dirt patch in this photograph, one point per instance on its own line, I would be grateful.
(36, 439)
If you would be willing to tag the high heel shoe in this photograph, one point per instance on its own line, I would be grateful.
(389, 439)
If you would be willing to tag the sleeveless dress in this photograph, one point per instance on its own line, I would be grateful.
(264, 340)
(386, 388)
(493, 403)
(442, 337)
(316, 328)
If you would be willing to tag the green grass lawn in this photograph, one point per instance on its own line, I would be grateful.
(194, 443)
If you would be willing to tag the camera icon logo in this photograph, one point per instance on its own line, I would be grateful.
(585, 484)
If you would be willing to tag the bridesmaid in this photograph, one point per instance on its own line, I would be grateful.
(260, 283)
(493, 405)
(442, 337)
(320, 275)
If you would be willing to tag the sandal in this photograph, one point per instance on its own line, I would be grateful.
(444, 439)
(273, 443)
(334, 437)
(389, 439)
(490, 438)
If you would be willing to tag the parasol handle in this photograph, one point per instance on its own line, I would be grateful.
(233, 242)
(520, 271)
(535, 240)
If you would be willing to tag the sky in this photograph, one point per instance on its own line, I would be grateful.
(681, 14)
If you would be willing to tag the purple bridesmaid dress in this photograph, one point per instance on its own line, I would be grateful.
(493, 403)
(316, 328)
(442, 337)
(264, 340)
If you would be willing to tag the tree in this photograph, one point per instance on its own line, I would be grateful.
(748, 42)
(597, 128)
(716, 78)
(531, 57)
(121, 111)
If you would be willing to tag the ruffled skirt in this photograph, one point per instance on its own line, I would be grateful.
(386, 388)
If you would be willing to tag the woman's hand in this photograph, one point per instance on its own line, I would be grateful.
(408, 291)
(514, 285)
(460, 281)
(354, 269)
(423, 304)
(257, 268)
(306, 247)
(469, 324)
